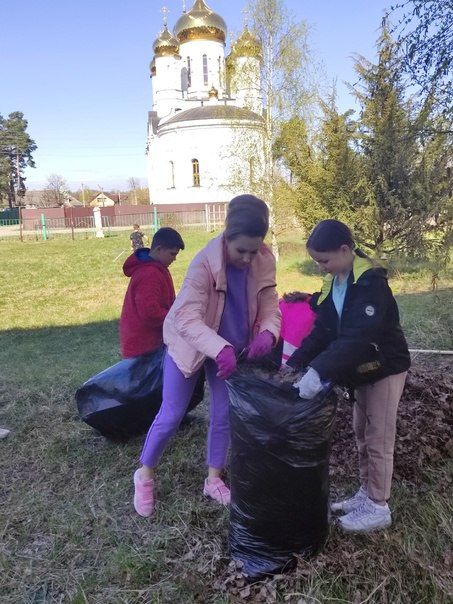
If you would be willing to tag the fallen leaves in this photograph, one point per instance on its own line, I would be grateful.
(423, 440)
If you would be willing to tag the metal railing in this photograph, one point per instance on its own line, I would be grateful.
(208, 218)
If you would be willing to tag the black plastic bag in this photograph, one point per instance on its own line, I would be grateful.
(280, 447)
(123, 400)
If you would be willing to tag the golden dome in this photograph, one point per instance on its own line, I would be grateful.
(213, 93)
(246, 46)
(200, 23)
(165, 44)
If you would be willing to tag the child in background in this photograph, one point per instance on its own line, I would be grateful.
(137, 237)
(228, 302)
(357, 339)
(297, 321)
(149, 295)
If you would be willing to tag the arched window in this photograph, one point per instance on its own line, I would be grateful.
(205, 70)
(189, 73)
(172, 175)
(195, 173)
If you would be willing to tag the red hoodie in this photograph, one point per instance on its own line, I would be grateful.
(148, 299)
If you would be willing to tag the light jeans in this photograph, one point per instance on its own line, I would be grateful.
(374, 422)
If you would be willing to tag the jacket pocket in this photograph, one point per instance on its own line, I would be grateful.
(372, 368)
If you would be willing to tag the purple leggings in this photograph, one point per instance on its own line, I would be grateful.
(177, 393)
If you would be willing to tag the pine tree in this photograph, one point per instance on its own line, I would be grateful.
(338, 162)
(389, 150)
(324, 171)
(16, 148)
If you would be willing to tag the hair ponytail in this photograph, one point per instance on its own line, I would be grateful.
(360, 253)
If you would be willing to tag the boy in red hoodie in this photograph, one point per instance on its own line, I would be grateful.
(150, 293)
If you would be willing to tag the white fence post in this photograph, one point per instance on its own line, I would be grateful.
(206, 211)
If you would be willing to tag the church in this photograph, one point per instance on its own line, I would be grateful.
(205, 139)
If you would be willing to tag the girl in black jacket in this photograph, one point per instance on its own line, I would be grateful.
(357, 341)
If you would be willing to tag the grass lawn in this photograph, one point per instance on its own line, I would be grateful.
(68, 530)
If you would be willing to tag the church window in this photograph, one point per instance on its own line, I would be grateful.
(172, 175)
(195, 173)
(205, 70)
(189, 73)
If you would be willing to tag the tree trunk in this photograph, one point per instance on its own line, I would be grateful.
(274, 244)
(11, 195)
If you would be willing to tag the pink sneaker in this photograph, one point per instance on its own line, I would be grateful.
(216, 489)
(144, 495)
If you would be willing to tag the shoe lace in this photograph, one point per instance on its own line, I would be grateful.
(359, 511)
(356, 497)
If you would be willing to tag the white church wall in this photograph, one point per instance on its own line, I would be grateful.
(215, 55)
(224, 155)
(167, 93)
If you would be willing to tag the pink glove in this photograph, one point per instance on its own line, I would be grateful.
(261, 345)
(226, 362)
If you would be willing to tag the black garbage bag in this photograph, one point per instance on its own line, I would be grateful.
(123, 400)
(280, 447)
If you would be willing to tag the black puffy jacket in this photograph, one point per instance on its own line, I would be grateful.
(363, 345)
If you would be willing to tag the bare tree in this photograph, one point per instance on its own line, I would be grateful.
(425, 38)
(142, 194)
(54, 193)
(288, 84)
(134, 184)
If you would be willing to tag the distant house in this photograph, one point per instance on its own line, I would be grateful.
(73, 202)
(42, 199)
(32, 199)
(104, 200)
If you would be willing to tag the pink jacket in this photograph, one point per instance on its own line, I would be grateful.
(190, 328)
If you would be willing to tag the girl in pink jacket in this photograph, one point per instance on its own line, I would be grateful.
(228, 302)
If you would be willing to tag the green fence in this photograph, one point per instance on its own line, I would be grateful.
(8, 222)
(83, 227)
(10, 216)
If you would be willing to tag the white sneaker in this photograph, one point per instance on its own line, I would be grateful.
(350, 504)
(366, 518)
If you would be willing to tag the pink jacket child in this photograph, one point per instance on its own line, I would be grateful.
(228, 302)
(297, 321)
(191, 327)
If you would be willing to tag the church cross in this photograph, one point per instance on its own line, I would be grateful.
(164, 10)
(246, 12)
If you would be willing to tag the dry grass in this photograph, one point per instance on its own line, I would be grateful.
(70, 534)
